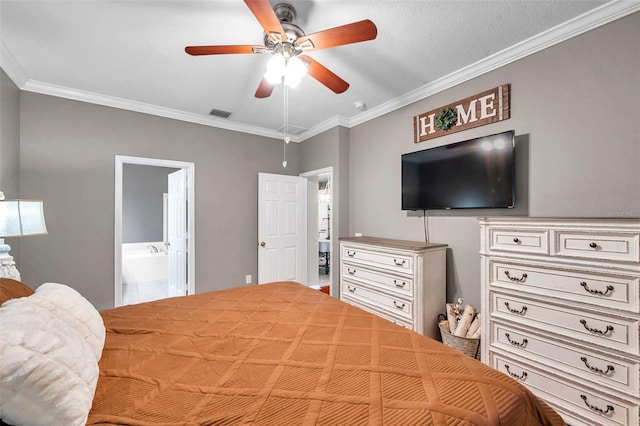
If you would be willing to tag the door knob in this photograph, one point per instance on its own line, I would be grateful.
(262, 244)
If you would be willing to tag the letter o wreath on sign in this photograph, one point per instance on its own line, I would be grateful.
(446, 119)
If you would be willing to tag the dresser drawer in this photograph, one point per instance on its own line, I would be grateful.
(615, 372)
(380, 312)
(614, 291)
(610, 332)
(396, 306)
(521, 241)
(601, 408)
(400, 323)
(569, 418)
(390, 283)
(619, 246)
(391, 262)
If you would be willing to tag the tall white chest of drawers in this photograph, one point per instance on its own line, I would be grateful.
(561, 312)
(402, 281)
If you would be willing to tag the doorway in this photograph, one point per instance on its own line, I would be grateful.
(154, 248)
(320, 235)
(295, 228)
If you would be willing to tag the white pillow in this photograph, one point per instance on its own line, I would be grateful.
(71, 307)
(48, 375)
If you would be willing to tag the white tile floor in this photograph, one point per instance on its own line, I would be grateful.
(144, 292)
(153, 290)
(323, 279)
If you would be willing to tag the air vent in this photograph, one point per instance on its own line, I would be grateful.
(293, 130)
(220, 113)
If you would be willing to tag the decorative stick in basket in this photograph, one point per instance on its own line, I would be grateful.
(474, 328)
(451, 317)
(465, 321)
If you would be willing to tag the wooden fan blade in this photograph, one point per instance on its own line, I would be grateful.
(324, 75)
(264, 89)
(264, 13)
(338, 36)
(223, 50)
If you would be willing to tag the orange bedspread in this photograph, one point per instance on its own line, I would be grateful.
(283, 354)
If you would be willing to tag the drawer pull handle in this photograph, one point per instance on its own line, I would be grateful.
(399, 263)
(596, 408)
(399, 306)
(516, 376)
(351, 271)
(401, 285)
(351, 253)
(594, 291)
(593, 245)
(522, 310)
(516, 240)
(515, 343)
(351, 289)
(522, 279)
(596, 369)
(595, 330)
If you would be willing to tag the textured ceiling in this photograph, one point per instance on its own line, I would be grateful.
(131, 54)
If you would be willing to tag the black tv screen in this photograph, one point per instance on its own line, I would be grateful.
(477, 173)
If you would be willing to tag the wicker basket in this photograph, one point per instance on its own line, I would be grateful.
(466, 345)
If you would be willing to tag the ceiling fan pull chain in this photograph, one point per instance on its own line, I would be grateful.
(285, 136)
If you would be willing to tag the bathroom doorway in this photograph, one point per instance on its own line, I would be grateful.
(154, 245)
(320, 238)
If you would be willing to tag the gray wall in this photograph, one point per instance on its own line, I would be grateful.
(9, 136)
(142, 202)
(331, 149)
(67, 156)
(10, 148)
(575, 110)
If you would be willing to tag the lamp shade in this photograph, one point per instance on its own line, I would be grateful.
(276, 68)
(296, 69)
(292, 69)
(21, 217)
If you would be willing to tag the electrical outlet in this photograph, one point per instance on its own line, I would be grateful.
(358, 234)
(247, 279)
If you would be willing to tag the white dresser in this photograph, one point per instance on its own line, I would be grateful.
(402, 281)
(561, 305)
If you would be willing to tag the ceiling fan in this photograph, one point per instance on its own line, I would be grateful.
(288, 43)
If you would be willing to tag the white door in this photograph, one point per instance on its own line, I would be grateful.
(281, 228)
(177, 233)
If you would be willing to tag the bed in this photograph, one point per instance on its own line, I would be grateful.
(284, 354)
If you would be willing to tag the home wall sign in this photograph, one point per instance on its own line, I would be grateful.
(484, 108)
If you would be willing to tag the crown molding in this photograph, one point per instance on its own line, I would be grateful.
(597, 17)
(329, 124)
(11, 67)
(126, 104)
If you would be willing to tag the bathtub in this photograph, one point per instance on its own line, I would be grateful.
(144, 262)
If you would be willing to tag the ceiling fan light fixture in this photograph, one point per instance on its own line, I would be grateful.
(276, 68)
(292, 82)
(294, 72)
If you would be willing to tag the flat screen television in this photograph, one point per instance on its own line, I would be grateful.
(476, 173)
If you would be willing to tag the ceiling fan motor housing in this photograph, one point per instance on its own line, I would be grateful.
(285, 14)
